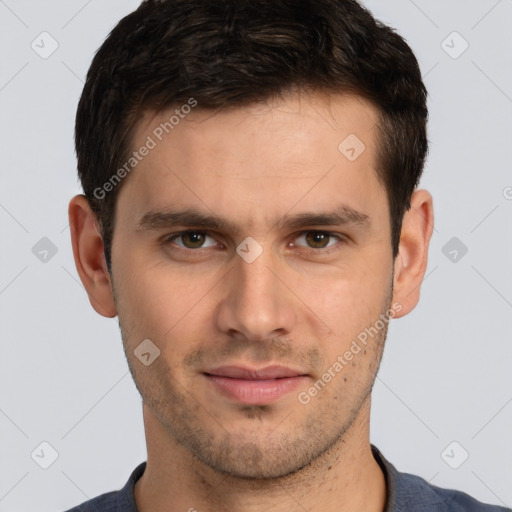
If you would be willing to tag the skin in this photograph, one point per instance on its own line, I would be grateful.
(296, 305)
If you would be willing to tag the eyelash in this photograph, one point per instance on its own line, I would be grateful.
(323, 250)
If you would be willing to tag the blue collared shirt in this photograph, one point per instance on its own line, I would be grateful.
(405, 493)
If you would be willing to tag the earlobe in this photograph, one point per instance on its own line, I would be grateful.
(412, 258)
(89, 256)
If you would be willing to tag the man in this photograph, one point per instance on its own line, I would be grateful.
(251, 215)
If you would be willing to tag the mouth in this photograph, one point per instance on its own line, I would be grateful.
(255, 386)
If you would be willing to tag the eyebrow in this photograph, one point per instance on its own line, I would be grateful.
(342, 216)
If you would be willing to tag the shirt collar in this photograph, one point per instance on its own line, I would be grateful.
(126, 498)
(391, 476)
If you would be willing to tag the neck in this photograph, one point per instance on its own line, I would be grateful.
(344, 478)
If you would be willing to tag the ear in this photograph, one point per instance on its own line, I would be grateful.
(89, 256)
(411, 260)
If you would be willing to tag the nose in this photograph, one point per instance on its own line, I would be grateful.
(257, 305)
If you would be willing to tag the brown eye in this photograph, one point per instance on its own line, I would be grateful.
(191, 239)
(317, 240)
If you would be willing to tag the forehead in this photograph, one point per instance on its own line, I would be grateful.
(299, 120)
(313, 149)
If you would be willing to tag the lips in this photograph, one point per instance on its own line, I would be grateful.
(270, 372)
(254, 386)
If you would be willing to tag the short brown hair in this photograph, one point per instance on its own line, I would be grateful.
(235, 52)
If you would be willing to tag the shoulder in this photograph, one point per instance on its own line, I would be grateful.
(122, 500)
(408, 492)
(413, 492)
(107, 502)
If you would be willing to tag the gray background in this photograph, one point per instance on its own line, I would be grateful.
(445, 376)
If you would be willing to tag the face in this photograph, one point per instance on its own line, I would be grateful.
(247, 240)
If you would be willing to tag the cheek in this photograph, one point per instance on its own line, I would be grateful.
(163, 303)
(348, 300)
